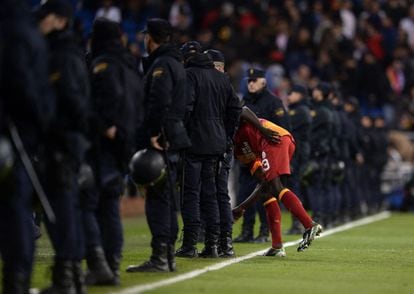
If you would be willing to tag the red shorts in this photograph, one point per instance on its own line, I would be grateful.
(276, 157)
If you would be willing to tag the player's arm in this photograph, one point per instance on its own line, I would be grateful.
(251, 117)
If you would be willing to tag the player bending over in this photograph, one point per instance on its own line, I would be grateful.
(269, 161)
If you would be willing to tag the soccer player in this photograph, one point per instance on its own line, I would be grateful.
(270, 163)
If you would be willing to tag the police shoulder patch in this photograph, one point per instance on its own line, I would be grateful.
(292, 112)
(55, 76)
(280, 112)
(102, 66)
(157, 72)
(313, 113)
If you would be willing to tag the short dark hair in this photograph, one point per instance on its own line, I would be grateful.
(159, 29)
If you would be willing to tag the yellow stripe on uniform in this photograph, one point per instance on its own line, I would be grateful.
(273, 199)
(283, 192)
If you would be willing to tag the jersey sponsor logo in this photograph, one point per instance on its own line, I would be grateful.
(313, 113)
(159, 71)
(280, 112)
(100, 67)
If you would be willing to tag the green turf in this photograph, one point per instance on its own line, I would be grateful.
(375, 258)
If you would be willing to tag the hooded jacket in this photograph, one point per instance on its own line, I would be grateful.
(216, 108)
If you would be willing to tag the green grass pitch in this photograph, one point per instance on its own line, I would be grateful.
(374, 258)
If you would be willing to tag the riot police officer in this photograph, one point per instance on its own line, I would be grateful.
(320, 141)
(66, 144)
(300, 120)
(215, 112)
(344, 157)
(166, 99)
(117, 106)
(265, 105)
(353, 170)
(28, 103)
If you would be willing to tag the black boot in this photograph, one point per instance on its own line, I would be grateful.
(171, 258)
(188, 249)
(114, 263)
(225, 245)
(158, 261)
(245, 236)
(62, 279)
(79, 278)
(15, 284)
(98, 272)
(263, 237)
(210, 246)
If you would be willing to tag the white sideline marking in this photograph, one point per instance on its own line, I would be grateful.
(151, 286)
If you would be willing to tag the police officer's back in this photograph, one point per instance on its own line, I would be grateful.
(215, 107)
(215, 111)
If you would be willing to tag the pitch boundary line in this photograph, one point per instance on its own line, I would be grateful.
(186, 276)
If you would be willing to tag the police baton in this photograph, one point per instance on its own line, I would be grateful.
(17, 141)
(169, 170)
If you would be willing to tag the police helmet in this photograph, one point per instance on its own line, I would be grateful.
(147, 167)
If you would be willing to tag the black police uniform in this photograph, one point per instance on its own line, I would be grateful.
(354, 172)
(215, 113)
(66, 147)
(224, 200)
(378, 164)
(320, 141)
(345, 157)
(300, 121)
(368, 147)
(334, 162)
(265, 105)
(166, 99)
(117, 100)
(28, 101)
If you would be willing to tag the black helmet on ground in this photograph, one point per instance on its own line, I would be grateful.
(147, 167)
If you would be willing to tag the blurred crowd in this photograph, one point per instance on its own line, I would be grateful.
(364, 47)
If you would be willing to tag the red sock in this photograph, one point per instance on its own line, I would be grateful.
(293, 204)
(273, 220)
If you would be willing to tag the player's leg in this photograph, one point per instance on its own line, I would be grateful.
(274, 218)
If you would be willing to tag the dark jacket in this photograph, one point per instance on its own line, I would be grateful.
(355, 140)
(301, 121)
(266, 105)
(346, 135)
(70, 80)
(321, 131)
(26, 93)
(216, 108)
(117, 100)
(166, 98)
(337, 133)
